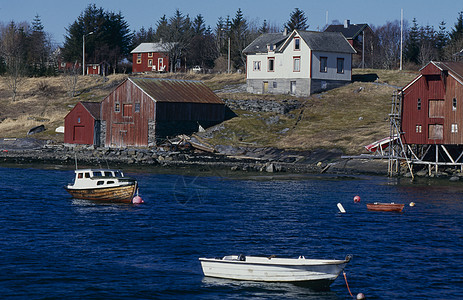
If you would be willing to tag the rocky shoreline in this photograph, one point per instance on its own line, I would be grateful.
(266, 160)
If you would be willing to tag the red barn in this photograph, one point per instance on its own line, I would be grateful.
(82, 124)
(432, 106)
(141, 111)
(151, 57)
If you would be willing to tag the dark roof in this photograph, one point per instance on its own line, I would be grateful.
(351, 32)
(260, 43)
(453, 67)
(173, 90)
(93, 108)
(326, 41)
(318, 41)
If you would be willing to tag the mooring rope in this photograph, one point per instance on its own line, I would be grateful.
(345, 278)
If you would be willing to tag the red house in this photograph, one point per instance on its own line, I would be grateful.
(432, 106)
(82, 124)
(151, 57)
(142, 111)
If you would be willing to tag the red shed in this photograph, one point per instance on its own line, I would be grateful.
(432, 105)
(141, 111)
(151, 57)
(93, 69)
(82, 124)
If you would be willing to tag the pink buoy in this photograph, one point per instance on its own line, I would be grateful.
(137, 200)
(357, 199)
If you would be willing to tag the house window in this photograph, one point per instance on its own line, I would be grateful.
(256, 66)
(454, 104)
(454, 128)
(297, 44)
(160, 64)
(139, 58)
(127, 110)
(150, 62)
(340, 65)
(297, 64)
(150, 54)
(323, 64)
(271, 64)
(418, 104)
(117, 107)
(78, 120)
(274, 84)
(137, 107)
(418, 128)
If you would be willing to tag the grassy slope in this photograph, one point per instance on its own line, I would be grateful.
(347, 118)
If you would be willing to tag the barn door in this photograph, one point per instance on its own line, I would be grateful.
(78, 134)
(436, 108)
(436, 131)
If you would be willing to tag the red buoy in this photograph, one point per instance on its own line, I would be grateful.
(137, 200)
(357, 199)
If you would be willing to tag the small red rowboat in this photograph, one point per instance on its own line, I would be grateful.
(385, 206)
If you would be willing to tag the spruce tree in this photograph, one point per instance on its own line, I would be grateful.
(297, 20)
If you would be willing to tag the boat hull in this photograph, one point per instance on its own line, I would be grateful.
(385, 207)
(123, 193)
(274, 269)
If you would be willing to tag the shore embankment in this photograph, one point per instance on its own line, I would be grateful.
(267, 160)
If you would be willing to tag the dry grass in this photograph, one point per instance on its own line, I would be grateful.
(348, 118)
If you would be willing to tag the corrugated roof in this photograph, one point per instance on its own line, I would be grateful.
(153, 47)
(173, 90)
(453, 67)
(93, 108)
(352, 31)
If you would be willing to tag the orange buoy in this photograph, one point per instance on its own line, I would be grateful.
(357, 199)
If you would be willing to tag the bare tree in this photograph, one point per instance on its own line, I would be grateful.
(12, 51)
(387, 40)
(71, 77)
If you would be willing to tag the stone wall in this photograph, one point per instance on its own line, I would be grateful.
(280, 107)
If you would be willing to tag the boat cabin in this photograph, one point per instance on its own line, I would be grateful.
(86, 177)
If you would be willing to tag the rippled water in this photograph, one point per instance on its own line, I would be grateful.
(55, 247)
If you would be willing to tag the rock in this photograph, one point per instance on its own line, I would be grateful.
(454, 178)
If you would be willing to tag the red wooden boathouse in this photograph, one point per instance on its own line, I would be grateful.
(432, 105)
(142, 111)
(82, 124)
(428, 115)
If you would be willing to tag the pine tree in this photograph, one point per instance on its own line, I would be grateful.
(107, 37)
(457, 32)
(264, 28)
(297, 20)
(412, 44)
(441, 40)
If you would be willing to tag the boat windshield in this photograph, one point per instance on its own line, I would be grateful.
(119, 174)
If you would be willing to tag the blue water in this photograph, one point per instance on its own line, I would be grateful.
(56, 247)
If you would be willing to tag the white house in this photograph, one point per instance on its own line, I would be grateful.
(301, 63)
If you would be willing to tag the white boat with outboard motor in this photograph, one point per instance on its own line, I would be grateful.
(274, 269)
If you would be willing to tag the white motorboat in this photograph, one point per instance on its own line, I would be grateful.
(274, 269)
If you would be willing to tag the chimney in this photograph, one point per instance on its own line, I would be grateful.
(285, 32)
(346, 23)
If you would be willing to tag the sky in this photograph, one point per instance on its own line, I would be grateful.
(57, 15)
